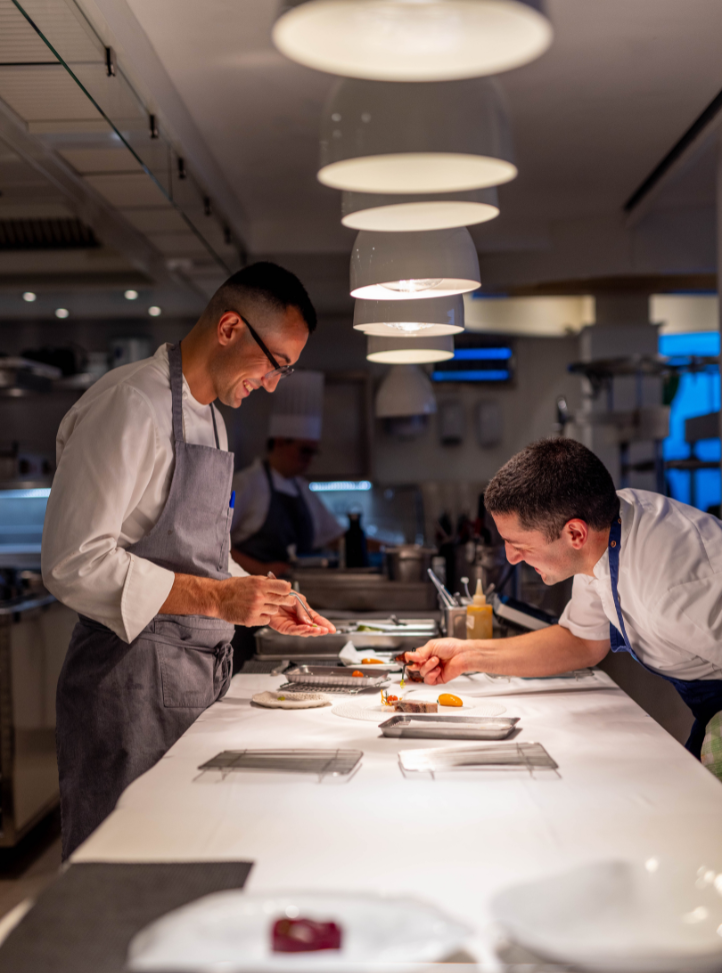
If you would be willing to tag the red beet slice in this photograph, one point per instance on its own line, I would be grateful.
(304, 936)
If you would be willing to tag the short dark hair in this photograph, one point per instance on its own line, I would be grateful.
(267, 282)
(551, 482)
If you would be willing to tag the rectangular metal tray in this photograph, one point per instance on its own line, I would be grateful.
(334, 763)
(337, 676)
(420, 726)
(528, 756)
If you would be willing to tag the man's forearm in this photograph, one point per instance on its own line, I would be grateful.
(193, 596)
(543, 653)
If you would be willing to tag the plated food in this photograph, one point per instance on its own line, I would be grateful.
(279, 700)
(416, 706)
(304, 936)
(448, 699)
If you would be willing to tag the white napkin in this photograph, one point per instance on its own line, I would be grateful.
(480, 684)
(351, 656)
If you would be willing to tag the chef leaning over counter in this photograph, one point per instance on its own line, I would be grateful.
(137, 541)
(647, 579)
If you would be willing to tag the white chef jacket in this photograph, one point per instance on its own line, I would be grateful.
(114, 467)
(253, 498)
(670, 588)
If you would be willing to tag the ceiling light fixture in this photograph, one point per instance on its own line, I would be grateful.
(414, 40)
(62, 312)
(390, 213)
(403, 266)
(29, 296)
(415, 138)
(421, 318)
(131, 295)
(405, 391)
(154, 311)
(409, 351)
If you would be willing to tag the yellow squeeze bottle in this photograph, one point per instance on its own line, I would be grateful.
(479, 623)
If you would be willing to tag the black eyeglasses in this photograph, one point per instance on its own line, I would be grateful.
(278, 370)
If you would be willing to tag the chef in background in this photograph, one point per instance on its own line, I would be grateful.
(276, 515)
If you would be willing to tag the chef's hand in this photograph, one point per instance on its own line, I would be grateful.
(294, 621)
(253, 600)
(442, 660)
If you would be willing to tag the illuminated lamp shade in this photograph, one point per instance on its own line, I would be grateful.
(409, 351)
(389, 213)
(423, 318)
(415, 40)
(401, 266)
(415, 138)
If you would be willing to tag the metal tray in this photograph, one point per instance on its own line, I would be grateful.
(322, 763)
(449, 727)
(501, 756)
(337, 676)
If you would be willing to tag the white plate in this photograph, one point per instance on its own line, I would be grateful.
(657, 916)
(231, 932)
(370, 710)
(290, 700)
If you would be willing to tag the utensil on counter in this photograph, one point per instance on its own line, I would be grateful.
(338, 677)
(298, 598)
(446, 598)
(424, 726)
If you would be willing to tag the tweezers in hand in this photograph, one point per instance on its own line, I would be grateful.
(296, 595)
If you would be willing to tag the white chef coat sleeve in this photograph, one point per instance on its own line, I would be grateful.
(105, 466)
(584, 615)
(326, 528)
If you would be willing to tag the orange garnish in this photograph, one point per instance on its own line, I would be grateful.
(371, 662)
(446, 699)
(357, 673)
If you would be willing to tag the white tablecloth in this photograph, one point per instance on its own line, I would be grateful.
(626, 789)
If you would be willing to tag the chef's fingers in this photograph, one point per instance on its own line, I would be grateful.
(429, 666)
(323, 622)
(417, 658)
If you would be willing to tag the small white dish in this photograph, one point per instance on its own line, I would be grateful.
(231, 932)
(653, 916)
(370, 710)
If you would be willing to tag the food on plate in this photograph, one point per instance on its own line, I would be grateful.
(387, 699)
(372, 662)
(304, 936)
(415, 706)
(447, 699)
(357, 673)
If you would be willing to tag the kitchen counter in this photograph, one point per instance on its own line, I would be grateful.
(625, 789)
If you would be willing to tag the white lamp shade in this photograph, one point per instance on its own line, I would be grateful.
(415, 138)
(401, 266)
(409, 351)
(405, 391)
(415, 40)
(388, 213)
(421, 318)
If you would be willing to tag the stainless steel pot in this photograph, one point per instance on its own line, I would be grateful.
(408, 562)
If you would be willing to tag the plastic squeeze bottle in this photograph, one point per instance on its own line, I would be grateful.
(479, 623)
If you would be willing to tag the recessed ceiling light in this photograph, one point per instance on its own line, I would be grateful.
(62, 312)
(154, 311)
(403, 266)
(422, 318)
(415, 40)
(415, 138)
(131, 295)
(409, 351)
(29, 296)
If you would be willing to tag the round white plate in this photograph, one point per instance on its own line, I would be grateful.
(370, 710)
(653, 916)
(278, 700)
(231, 931)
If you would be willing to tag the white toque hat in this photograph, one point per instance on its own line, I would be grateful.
(297, 407)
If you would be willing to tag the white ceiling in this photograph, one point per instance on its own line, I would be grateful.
(591, 118)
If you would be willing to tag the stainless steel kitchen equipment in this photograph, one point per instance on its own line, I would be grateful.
(373, 633)
(502, 756)
(408, 562)
(422, 726)
(362, 590)
(320, 763)
(328, 677)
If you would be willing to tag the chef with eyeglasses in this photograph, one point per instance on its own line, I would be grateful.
(277, 517)
(137, 541)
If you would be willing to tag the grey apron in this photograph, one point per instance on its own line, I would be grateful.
(120, 706)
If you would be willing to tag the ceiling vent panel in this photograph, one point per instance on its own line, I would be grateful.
(128, 191)
(44, 93)
(19, 44)
(46, 235)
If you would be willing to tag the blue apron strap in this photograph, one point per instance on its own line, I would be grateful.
(618, 635)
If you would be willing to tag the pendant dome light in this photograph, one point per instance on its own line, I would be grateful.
(412, 40)
(395, 213)
(409, 351)
(405, 391)
(402, 266)
(423, 318)
(415, 138)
